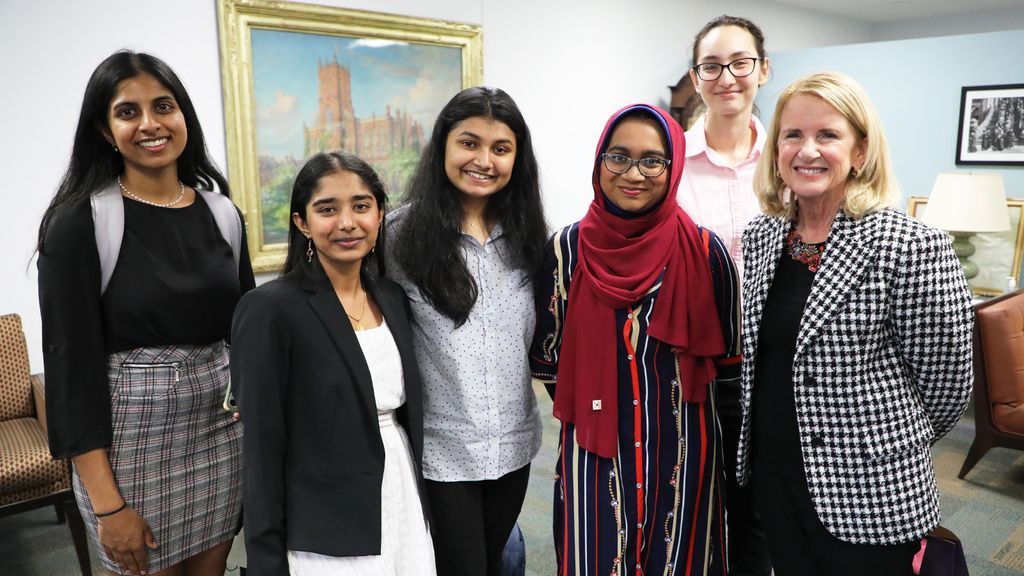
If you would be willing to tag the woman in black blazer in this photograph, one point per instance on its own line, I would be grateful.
(326, 379)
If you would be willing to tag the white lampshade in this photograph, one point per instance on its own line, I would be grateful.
(967, 203)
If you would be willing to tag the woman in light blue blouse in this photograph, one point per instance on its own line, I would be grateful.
(466, 246)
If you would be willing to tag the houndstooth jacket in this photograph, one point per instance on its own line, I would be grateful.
(882, 368)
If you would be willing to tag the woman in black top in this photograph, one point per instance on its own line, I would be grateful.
(856, 343)
(139, 273)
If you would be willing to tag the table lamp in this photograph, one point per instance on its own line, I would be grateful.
(964, 204)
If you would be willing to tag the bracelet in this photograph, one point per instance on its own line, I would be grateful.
(112, 512)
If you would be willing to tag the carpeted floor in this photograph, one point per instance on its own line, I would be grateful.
(986, 510)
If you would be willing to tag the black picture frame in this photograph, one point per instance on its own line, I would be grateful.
(991, 128)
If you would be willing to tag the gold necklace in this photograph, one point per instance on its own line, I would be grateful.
(358, 321)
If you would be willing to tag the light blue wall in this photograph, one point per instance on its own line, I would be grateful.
(915, 84)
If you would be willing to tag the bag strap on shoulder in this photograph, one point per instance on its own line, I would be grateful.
(108, 224)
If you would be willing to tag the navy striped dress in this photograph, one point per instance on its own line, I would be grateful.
(657, 508)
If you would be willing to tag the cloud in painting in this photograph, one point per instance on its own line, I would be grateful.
(424, 98)
(280, 126)
(374, 43)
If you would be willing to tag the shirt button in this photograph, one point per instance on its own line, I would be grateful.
(635, 402)
(630, 315)
(672, 382)
(638, 485)
(636, 444)
(629, 356)
(639, 525)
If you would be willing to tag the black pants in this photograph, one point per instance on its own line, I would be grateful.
(748, 545)
(472, 522)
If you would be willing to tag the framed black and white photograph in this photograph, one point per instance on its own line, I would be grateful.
(991, 125)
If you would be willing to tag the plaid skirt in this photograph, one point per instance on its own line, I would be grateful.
(176, 453)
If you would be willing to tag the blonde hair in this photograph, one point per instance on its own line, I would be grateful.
(873, 188)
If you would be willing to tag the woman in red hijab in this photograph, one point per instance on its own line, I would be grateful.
(636, 321)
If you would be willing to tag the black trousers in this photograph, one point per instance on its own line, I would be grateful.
(748, 545)
(472, 522)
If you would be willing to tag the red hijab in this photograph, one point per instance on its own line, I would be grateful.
(620, 259)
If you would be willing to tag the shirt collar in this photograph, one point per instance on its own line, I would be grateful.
(697, 142)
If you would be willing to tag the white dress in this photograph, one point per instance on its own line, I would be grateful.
(406, 547)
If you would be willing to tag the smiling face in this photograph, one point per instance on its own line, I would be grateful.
(817, 149)
(343, 220)
(479, 156)
(636, 138)
(146, 125)
(729, 95)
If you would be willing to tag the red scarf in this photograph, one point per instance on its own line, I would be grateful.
(620, 259)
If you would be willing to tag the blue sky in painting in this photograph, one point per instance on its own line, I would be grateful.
(417, 78)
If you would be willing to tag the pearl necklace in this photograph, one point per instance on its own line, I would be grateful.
(128, 193)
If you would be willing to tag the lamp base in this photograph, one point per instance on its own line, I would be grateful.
(964, 249)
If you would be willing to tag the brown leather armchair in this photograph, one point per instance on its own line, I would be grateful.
(998, 377)
(29, 477)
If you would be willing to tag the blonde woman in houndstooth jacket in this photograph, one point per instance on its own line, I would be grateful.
(856, 345)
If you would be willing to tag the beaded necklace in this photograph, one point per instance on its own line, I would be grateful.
(807, 254)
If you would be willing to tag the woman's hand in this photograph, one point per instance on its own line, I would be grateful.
(126, 539)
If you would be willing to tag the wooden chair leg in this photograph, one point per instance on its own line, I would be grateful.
(58, 508)
(979, 448)
(77, 528)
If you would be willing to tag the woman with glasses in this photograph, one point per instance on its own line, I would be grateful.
(636, 310)
(722, 150)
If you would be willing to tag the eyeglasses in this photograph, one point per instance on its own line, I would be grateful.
(739, 68)
(649, 167)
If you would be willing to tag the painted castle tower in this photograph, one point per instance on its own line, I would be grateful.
(374, 139)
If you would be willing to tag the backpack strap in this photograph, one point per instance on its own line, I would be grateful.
(108, 225)
(228, 220)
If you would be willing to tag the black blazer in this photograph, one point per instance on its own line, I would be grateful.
(314, 459)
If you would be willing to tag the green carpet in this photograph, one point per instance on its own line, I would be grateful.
(986, 510)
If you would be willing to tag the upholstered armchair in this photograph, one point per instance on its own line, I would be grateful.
(998, 377)
(29, 477)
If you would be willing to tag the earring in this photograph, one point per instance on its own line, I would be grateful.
(372, 250)
(309, 250)
(854, 173)
(114, 146)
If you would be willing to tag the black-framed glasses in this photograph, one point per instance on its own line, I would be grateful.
(739, 68)
(649, 166)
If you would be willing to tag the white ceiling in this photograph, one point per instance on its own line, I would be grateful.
(901, 10)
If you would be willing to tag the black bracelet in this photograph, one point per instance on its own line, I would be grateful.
(112, 512)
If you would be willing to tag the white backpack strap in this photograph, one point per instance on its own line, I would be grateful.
(229, 222)
(108, 223)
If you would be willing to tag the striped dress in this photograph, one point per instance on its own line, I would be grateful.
(656, 508)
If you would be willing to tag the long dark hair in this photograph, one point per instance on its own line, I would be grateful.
(438, 267)
(94, 163)
(296, 263)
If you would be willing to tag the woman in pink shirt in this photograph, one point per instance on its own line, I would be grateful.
(722, 150)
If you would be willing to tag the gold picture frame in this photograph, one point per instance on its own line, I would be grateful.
(998, 254)
(378, 81)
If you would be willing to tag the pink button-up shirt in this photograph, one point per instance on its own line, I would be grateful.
(719, 196)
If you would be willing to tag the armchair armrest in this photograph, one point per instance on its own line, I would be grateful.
(39, 398)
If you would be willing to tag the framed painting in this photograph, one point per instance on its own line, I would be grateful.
(991, 125)
(997, 254)
(301, 79)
